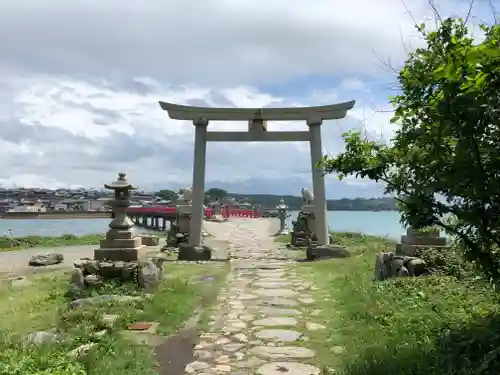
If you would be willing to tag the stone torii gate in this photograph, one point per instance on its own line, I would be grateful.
(257, 132)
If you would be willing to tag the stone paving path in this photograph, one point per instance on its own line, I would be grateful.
(257, 326)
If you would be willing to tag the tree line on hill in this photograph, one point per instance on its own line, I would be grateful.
(270, 201)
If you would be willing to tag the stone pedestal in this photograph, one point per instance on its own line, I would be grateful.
(417, 240)
(406, 261)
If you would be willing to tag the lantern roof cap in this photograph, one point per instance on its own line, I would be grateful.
(120, 183)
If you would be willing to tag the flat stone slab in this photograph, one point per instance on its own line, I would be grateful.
(288, 368)
(314, 326)
(278, 335)
(276, 311)
(272, 284)
(276, 292)
(281, 302)
(276, 321)
(247, 297)
(282, 352)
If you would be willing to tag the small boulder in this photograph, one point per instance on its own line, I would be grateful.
(150, 240)
(148, 276)
(40, 338)
(46, 259)
(416, 267)
(315, 252)
(194, 253)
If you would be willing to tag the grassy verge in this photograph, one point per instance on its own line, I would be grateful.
(18, 243)
(41, 305)
(434, 325)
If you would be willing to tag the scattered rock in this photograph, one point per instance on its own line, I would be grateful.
(46, 259)
(194, 253)
(81, 351)
(109, 319)
(40, 338)
(148, 276)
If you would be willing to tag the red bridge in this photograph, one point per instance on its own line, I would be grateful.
(172, 211)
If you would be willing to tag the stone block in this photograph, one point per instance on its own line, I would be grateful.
(150, 240)
(409, 250)
(113, 234)
(125, 255)
(420, 240)
(315, 252)
(130, 243)
(423, 233)
(194, 253)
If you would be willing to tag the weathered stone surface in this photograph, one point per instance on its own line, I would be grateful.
(276, 292)
(194, 253)
(150, 240)
(416, 267)
(278, 335)
(81, 351)
(281, 302)
(276, 321)
(76, 284)
(40, 338)
(272, 284)
(311, 326)
(276, 311)
(290, 368)
(282, 352)
(424, 240)
(148, 276)
(316, 252)
(46, 259)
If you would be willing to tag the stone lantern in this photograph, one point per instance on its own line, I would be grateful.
(282, 215)
(120, 243)
(118, 254)
(120, 203)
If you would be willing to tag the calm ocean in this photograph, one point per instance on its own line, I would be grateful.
(382, 223)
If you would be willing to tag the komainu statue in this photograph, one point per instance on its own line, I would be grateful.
(307, 196)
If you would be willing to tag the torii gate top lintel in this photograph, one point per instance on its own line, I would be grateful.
(325, 112)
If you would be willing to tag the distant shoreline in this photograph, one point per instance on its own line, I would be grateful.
(105, 215)
(56, 215)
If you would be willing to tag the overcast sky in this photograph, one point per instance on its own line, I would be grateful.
(80, 82)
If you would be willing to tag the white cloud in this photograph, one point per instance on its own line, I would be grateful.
(80, 83)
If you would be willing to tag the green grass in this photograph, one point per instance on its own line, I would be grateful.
(438, 325)
(18, 243)
(42, 306)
